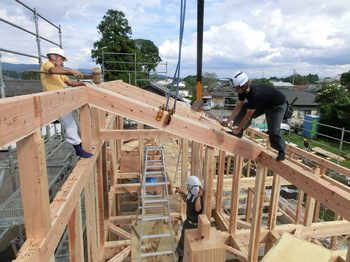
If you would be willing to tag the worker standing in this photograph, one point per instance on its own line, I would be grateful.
(194, 208)
(58, 80)
(261, 99)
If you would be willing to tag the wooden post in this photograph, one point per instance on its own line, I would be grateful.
(272, 218)
(184, 166)
(309, 211)
(91, 222)
(248, 210)
(209, 170)
(204, 243)
(75, 235)
(220, 181)
(235, 194)
(257, 213)
(195, 159)
(34, 185)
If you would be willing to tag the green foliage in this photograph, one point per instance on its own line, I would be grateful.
(30, 75)
(334, 101)
(209, 80)
(119, 50)
(345, 80)
(298, 79)
(264, 80)
(147, 55)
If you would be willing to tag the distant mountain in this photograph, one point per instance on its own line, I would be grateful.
(25, 67)
(19, 67)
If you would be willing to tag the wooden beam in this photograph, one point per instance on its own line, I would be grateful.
(328, 194)
(118, 231)
(197, 131)
(136, 134)
(36, 111)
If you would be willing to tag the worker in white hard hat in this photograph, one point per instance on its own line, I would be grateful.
(260, 99)
(194, 208)
(58, 80)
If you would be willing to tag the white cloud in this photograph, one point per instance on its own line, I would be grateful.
(274, 37)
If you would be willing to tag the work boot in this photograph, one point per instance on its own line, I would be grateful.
(81, 152)
(281, 155)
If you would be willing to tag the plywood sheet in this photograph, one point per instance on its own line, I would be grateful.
(292, 249)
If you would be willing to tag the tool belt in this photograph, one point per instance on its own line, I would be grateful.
(192, 223)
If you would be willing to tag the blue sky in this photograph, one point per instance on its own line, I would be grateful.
(262, 37)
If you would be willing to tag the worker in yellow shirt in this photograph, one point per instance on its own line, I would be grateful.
(58, 80)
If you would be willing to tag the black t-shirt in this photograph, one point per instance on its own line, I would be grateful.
(262, 95)
(191, 212)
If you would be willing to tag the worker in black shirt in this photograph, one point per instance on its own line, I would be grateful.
(261, 99)
(194, 208)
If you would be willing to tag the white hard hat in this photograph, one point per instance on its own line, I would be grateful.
(239, 79)
(57, 51)
(192, 181)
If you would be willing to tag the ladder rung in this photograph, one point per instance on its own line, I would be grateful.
(150, 218)
(150, 173)
(153, 161)
(155, 206)
(160, 253)
(156, 235)
(154, 184)
(154, 148)
(153, 167)
(155, 201)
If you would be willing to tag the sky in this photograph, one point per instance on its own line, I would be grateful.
(264, 38)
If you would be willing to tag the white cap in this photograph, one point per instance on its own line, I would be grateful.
(192, 181)
(57, 51)
(239, 79)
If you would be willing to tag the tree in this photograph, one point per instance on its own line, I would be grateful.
(264, 80)
(209, 80)
(122, 56)
(345, 80)
(148, 58)
(334, 103)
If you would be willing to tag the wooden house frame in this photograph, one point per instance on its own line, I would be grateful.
(102, 109)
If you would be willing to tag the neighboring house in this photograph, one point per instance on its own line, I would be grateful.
(183, 91)
(16, 87)
(303, 105)
(163, 91)
(282, 85)
(207, 100)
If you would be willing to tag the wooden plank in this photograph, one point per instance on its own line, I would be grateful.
(327, 153)
(121, 256)
(118, 231)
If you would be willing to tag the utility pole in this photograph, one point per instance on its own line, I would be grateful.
(200, 18)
